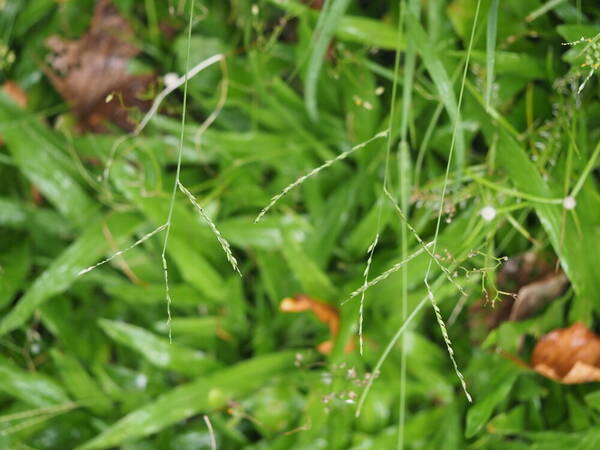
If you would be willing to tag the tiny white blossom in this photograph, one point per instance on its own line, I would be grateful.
(170, 79)
(569, 202)
(488, 213)
(141, 381)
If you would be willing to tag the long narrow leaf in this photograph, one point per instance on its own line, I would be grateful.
(490, 50)
(442, 83)
(188, 400)
(65, 269)
(325, 32)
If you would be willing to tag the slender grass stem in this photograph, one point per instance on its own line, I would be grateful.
(177, 173)
(441, 209)
(315, 171)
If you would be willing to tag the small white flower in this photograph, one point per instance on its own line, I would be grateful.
(488, 213)
(170, 79)
(141, 381)
(569, 202)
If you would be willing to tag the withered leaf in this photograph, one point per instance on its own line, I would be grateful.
(314, 4)
(534, 296)
(326, 313)
(568, 355)
(528, 282)
(87, 70)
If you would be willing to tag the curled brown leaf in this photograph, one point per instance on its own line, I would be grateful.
(534, 296)
(568, 355)
(326, 313)
(93, 69)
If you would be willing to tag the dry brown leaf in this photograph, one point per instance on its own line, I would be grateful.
(568, 355)
(326, 313)
(86, 71)
(315, 4)
(528, 282)
(534, 296)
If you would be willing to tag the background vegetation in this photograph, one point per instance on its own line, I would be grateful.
(481, 104)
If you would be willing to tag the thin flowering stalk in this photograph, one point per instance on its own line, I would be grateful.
(315, 171)
(224, 244)
(120, 252)
(386, 274)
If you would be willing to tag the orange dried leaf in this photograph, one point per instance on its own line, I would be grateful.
(324, 312)
(568, 355)
(15, 93)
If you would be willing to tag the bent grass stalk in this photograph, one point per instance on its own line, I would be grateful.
(220, 104)
(315, 171)
(182, 80)
(211, 433)
(27, 423)
(224, 244)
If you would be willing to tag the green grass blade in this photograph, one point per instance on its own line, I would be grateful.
(540, 11)
(80, 384)
(201, 396)
(313, 280)
(442, 83)
(496, 390)
(32, 388)
(490, 49)
(65, 269)
(159, 351)
(36, 153)
(357, 29)
(331, 17)
(578, 254)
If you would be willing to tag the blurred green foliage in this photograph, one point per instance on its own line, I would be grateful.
(86, 360)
